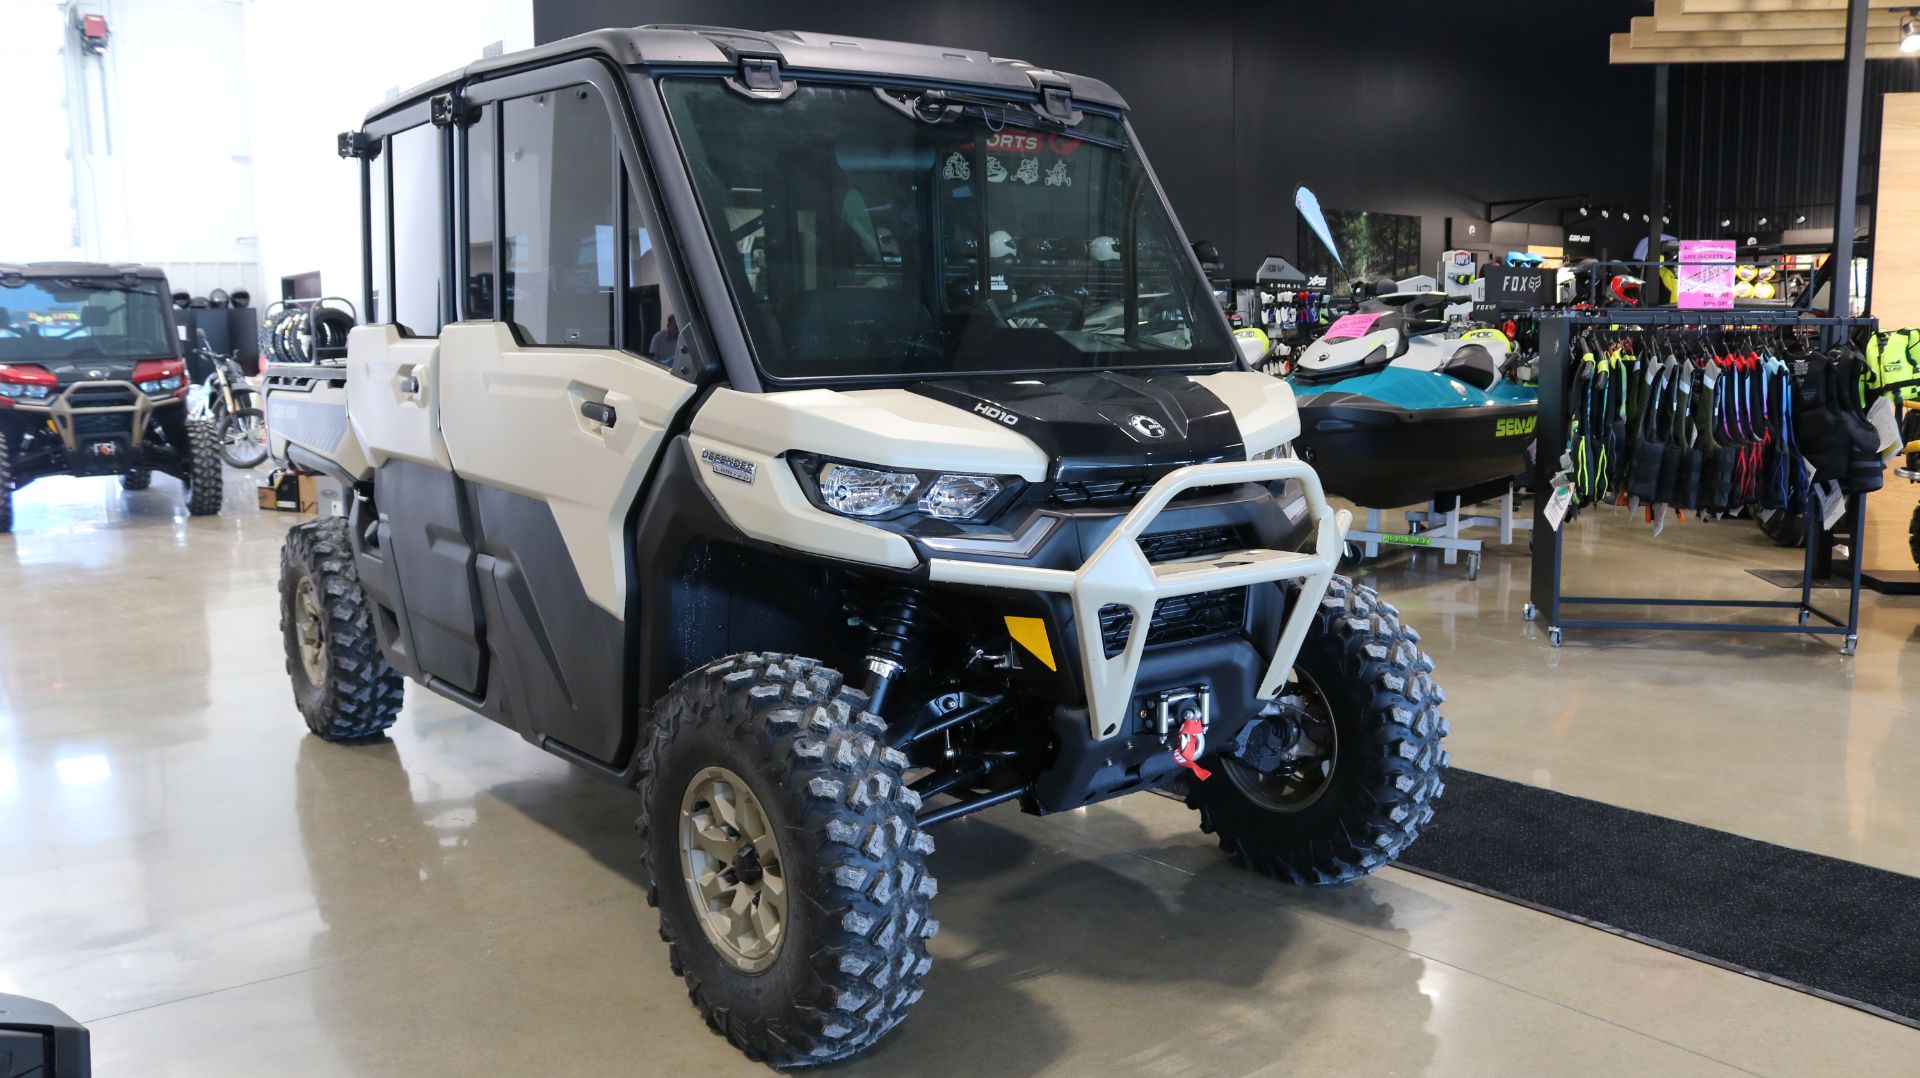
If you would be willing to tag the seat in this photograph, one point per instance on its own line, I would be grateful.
(836, 324)
(1473, 365)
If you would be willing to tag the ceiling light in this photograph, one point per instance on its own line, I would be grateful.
(1665, 220)
(1753, 241)
(1726, 222)
(1910, 32)
(1799, 218)
(1584, 210)
(1763, 222)
(1603, 213)
(1646, 218)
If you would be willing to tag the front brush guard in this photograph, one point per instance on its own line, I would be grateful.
(1119, 574)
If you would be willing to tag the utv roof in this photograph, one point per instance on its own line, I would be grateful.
(796, 51)
(79, 269)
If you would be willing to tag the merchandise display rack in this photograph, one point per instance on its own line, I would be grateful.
(1557, 329)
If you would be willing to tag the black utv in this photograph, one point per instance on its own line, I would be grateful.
(92, 382)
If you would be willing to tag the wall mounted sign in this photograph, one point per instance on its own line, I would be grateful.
(1519, 288)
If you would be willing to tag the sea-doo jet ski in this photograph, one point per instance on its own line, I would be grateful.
(1394, 411)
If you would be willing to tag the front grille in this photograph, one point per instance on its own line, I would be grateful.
(104, 425)
(1185, 617)
(1104, 493)
(100, 397)
(1193, 543)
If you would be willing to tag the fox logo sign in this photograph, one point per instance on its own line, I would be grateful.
(1514, 426)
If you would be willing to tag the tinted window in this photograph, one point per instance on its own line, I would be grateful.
(653, 325)
(379, 288)
(560, 225)
(861, 240)
(482, 213)
(58, 318)
(417, 230)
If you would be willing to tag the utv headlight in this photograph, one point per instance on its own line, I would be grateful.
(865, 492)
(20, 392)
(959, 497)
(158, 386)
(859, 490)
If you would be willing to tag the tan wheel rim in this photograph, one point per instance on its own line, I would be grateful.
(1308, 770)
(310, 630)
(731, 862)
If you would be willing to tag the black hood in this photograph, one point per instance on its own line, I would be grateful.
(1104, 425)
(91, 368)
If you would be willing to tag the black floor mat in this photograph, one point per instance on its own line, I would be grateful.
(1790, 578)
(1836, 929)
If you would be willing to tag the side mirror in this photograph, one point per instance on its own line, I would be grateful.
(691, 361)
(1252, 349)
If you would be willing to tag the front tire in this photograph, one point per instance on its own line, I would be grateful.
(831, 967)
(243, 438)
(6, 484)
(341, 682)
(1913, 535)
(206, 480)
(1369, 711)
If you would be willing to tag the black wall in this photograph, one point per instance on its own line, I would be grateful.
(1397, 106)
(1763, 140)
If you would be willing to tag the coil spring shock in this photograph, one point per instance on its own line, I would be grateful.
(894, 645)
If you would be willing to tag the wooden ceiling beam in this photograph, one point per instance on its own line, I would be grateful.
(1622, 50)
(1672, 16)
(1650, 33)
(1726, 7)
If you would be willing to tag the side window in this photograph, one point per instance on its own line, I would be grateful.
(418, 220)
(379, 288)
(653, 326)
(558, 192)
(482, 213)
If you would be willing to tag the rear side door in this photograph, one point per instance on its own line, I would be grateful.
(419, 566)
(552, 405)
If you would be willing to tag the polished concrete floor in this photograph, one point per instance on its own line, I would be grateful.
(216, 894)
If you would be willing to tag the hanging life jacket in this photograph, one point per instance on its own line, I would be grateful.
(1866, 469)
(1649, 445)
(1718, 457)
(1892, 366)
(1673, 417)
(1687, 433)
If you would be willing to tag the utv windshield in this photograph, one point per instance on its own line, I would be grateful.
(884, 232)
(55, 318)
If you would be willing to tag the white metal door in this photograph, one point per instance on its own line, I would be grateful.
(528, 420)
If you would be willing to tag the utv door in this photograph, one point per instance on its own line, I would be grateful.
(419, 564)
(551, 409)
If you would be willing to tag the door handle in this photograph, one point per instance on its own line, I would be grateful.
(409, 385)
(602, 414)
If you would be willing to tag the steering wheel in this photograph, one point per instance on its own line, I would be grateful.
(1051, 311)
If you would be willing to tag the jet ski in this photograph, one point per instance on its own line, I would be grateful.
(1395, 411)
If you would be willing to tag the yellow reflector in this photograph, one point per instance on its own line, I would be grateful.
(1031, 633)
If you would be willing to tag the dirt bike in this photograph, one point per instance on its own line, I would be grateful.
(228, 403)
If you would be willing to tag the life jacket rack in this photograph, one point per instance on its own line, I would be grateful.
(1559, 365)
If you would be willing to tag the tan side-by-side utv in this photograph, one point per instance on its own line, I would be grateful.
(829, 438)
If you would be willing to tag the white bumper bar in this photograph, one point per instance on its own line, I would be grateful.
(1118, 573)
